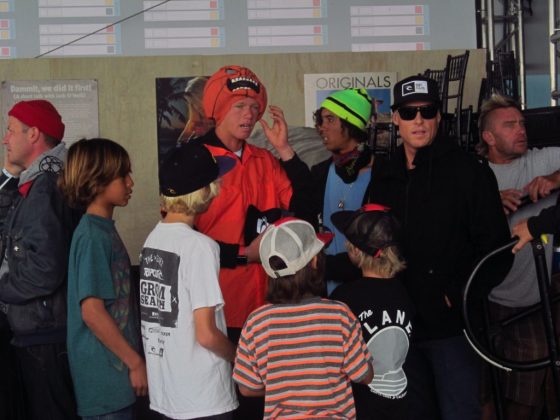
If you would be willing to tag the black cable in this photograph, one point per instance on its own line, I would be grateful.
(102, 29)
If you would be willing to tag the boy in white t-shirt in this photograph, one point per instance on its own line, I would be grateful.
(187, 352)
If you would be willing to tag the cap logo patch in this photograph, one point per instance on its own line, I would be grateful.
(414, 86)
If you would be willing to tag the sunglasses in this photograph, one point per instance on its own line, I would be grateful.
(427, 112)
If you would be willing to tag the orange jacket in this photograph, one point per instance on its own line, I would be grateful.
(256, 179)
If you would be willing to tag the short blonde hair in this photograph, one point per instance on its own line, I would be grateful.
(387, 264)
(193, 203)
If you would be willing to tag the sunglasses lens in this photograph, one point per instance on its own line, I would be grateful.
(407, 113)
(427, 112)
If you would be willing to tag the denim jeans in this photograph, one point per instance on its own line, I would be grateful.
(126, 413)
(444, 380)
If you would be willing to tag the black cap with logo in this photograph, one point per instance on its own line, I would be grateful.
(415, 88)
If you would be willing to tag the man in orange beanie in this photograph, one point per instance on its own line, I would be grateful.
(236, 99)
(36, 242)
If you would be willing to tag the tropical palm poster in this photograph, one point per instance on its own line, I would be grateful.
(172, 111)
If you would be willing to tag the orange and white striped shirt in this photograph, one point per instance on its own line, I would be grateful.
(305, 355)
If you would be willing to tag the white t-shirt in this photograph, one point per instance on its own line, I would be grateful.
(520, 287)
(178, 274)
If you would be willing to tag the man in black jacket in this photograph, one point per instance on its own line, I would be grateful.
(449, 204)
(36, 241)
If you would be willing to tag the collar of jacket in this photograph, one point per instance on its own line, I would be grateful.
(438, 148)
(211, 139)
(249, 151)
(24, 188)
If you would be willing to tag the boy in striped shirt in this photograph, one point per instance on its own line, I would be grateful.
(300, 351)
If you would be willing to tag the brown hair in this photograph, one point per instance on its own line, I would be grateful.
(91, 165)
(307, 282)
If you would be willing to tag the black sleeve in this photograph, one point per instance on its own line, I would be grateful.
(548, 221)
(302, 186)
(228, 254)
(489, 230)
(40, 243)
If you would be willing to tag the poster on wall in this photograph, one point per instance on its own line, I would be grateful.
(75, 100)
(179, 112)
(379, 86)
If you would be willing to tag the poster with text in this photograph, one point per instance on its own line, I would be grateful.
(379, 86)
(75, 100)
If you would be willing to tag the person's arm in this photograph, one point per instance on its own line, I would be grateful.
(209, 336)
(357, 362)
(521, 230)
(303, 200)
(103, 326)
(511, 199)
(547, 221)
(229, 254)
(488, 230)
(248, 392)
(277, 134)
(369, 376)
(232, 255)
(39, 243)
(246, 372)
(542, 186)
(295, 171)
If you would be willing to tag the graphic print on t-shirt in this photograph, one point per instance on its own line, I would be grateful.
(389, 348)
(388, 344)
(159, 300)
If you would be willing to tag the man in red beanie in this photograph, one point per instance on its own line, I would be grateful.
(236, 99)
(36, 241)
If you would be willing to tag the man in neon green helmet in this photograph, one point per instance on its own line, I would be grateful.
(342, 181)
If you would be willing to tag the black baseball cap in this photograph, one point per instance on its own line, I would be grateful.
(189, 167)
(370, 228)
(415, 88)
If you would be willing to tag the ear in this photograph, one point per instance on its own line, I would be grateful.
(33, 134)
(314, 263)
(395, 118)
(438, 117)
(488, 137)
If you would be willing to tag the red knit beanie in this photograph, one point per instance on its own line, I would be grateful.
(228, 85)
(41, 114)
